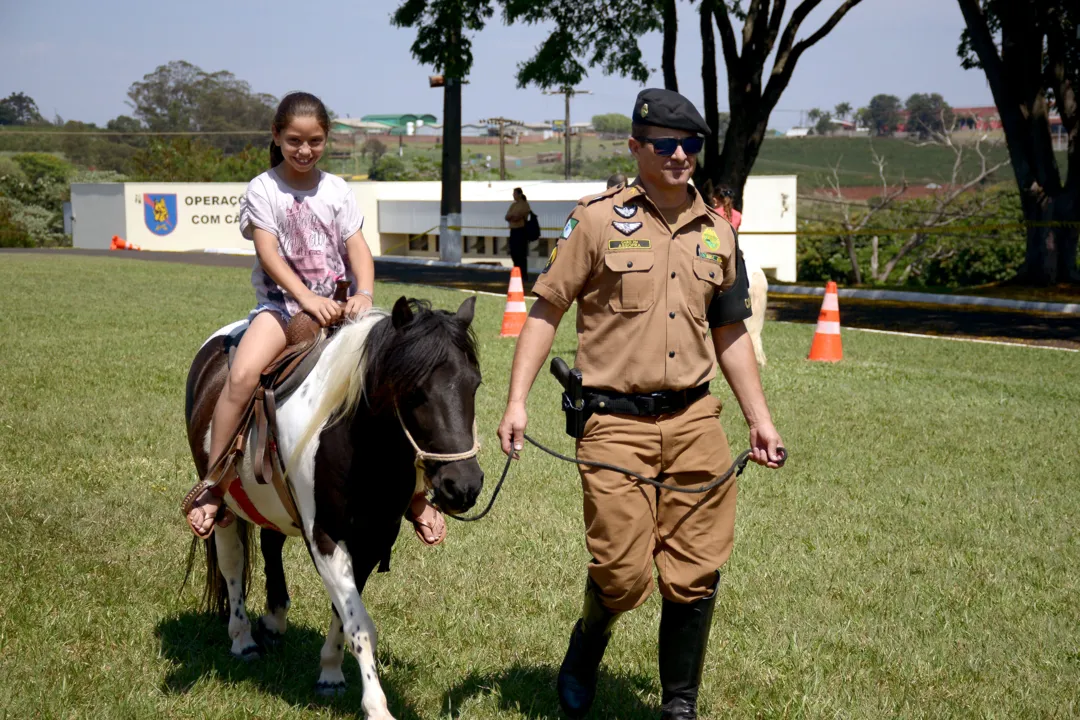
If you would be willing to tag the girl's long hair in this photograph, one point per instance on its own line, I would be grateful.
(294, 105)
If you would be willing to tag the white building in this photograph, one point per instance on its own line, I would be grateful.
(402, 218)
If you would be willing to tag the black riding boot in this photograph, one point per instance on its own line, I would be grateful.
(577, 676)
(684, 635)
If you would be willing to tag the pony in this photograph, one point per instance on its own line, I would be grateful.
(389, 404)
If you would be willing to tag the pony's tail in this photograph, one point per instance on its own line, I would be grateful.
(215, 597)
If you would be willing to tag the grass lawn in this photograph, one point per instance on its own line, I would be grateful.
(917, 558)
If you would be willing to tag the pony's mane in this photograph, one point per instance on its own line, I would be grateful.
(375, 361)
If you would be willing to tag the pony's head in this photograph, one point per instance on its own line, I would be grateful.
(423, 365)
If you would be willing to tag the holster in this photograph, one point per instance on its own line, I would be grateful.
(573, 400)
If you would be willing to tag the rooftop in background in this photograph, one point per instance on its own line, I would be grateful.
(357, 124)
(399, 124)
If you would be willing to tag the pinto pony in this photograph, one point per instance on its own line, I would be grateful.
(389, 404)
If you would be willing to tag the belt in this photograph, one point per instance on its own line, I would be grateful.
(664, 402)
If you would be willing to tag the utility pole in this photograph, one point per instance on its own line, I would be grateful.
(501, 122)
(568, 92)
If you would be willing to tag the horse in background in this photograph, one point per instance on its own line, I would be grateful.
(389, 404)
(759, 298)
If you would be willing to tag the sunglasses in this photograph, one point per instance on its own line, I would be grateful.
(666, 147)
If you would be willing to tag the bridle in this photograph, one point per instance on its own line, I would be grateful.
(422, 456)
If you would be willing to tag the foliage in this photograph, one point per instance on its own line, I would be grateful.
(182, 159)
(602, 33)
(883, 114)
(44, 167)
(842, 110)
(41, 181)
(388, 168)
(824, 124)
(928, 115)
(12, 233)
(20, 109)
(442, 28)
(181, 97)
(960, 258)
(43, 227)
(373, 147)
(612, 124)
(605, 167)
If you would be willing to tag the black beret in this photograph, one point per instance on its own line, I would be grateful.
(668, 109)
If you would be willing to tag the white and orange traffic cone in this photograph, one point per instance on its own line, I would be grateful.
(827, 346)
(516, 312)
(119, 243)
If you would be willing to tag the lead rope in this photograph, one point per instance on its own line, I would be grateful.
(736, 469)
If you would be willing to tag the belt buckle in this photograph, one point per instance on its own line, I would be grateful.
(661, 403)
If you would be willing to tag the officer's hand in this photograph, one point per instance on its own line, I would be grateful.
(766, 447)
(512, 428)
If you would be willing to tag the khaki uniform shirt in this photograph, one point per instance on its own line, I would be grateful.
(643, 288)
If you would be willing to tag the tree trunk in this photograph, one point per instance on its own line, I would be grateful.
(711, 159)
(671, 30)
(742, 142)
(856, 271)
(1051, 250)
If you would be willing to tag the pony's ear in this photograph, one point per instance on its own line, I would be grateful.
(466, 311)
(402, 313)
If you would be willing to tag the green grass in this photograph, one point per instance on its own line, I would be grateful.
(917, 557)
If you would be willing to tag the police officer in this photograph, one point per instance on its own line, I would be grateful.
(653, 269)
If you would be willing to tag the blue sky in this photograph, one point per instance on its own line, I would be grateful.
(78, 59)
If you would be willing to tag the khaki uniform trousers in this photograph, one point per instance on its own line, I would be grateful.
(629, 525)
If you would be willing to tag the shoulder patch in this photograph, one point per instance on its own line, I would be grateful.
(568, 228)
(615, 245)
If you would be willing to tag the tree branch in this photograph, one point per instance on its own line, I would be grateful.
(727, 38)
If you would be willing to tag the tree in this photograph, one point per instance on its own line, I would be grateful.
(606, 35)
(611, 124)
(813, 115)
(20, 109)
(180, 97)
(863, 118)
(945, 208)
(824, 124)
(183, 159)
(883, 112)
(842, 110)
(1030, 53)
(373, 147)
(928, 115)
(442, 41)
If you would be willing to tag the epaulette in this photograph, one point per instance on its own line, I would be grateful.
(610, 192)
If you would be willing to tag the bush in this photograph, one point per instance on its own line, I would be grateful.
(187, 160)
(39, 227)
(389, 168)
(43, 166)
(12, 234)
(961, 258)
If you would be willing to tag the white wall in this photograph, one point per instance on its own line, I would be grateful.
(204, 215)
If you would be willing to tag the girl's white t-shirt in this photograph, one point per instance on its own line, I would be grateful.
(311, 227)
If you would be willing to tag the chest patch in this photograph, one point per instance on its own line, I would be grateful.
(711, 239)
(626, 212)
(626, 228)
(634, 244)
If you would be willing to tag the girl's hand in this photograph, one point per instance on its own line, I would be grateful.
(357, 304)
(325, 310)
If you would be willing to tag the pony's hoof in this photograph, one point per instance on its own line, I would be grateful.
(329, 690)
(248, 654)
(267, 638)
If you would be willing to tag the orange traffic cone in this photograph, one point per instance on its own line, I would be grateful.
(120, 244)
(514, 316)
(826, 346)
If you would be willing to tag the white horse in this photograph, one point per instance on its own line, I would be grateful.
(759, 296)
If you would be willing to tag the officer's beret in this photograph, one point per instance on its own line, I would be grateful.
(668, 109)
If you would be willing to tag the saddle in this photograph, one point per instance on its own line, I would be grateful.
(305, 340)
